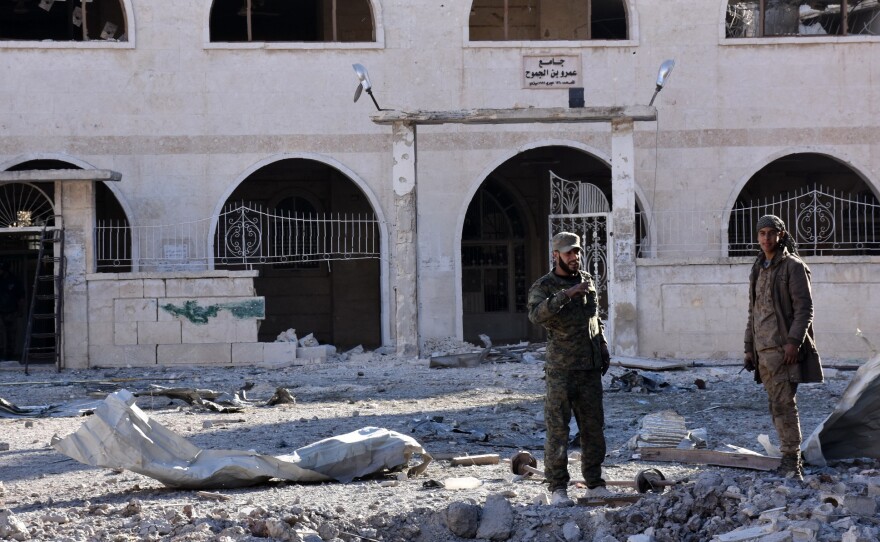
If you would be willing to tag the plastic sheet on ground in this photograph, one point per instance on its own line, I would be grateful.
(853, 428)
(121, 436)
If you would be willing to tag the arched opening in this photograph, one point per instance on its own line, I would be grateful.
(25, 208)
(505, 239)
(300, 21)
(314, 237)
(826, 206)
(559, 20)
(70, 20)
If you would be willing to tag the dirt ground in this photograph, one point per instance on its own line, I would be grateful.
(492, 408)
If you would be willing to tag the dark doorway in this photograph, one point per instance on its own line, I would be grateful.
(505, 239)
(336, 298)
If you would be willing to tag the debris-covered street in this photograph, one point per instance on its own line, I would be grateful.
(494, 407)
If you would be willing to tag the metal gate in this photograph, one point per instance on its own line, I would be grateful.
(582, 208)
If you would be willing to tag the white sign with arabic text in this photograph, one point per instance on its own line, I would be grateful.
(552, 71)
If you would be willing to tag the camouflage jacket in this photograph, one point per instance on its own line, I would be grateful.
(575, 333)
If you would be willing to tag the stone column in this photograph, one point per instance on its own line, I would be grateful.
(622, 298)
(404, 239)
(76, 200)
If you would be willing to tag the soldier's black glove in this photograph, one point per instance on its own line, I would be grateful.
(606, 359)
(748, 364)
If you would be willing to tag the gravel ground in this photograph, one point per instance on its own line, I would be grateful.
(493, 408)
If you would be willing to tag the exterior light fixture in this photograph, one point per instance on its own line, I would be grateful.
(662, 76)
(364, 84)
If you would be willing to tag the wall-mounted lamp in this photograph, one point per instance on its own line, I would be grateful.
(364, 84)
(662, 76)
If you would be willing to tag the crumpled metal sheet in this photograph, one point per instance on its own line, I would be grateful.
(852, 429)
(121, 436)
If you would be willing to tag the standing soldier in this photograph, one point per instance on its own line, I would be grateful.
(779, 335)
(566, 304)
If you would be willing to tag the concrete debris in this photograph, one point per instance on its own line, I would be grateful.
(722, 507)
(309, 340)
(571, 532)
(449, 352)
(282, 396)
(12, 528)
(463, 519)
(288, 336)
(215, 401)
(496, 522)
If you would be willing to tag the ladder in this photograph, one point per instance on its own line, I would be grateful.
(42, 340)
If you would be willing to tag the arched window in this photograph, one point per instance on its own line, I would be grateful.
(548, 20)
(780, 18)
(827, 208)
(62, 20)
(288, 21)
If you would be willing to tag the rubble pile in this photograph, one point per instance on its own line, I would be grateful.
(833, 504)
(493, 408)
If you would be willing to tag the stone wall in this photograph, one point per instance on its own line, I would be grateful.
(698, 308)
(139, 319)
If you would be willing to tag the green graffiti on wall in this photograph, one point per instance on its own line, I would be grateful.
(192, 311)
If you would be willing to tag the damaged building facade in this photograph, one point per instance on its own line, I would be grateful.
(199, 179)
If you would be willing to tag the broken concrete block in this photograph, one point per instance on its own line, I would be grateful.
(463, 519)
(824, 512)
(309, 340)
(746, 534)
(11, 527)
(860, 506)
(571, 532)
(781, 536)
(277, 352)
(497, 519)
(858, 533)
(315, 353)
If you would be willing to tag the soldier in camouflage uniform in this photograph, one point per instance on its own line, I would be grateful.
(566, 304)
(779, 335)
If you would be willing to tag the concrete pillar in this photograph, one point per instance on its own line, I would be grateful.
(404, 238)
(622, 298)
(76, 200)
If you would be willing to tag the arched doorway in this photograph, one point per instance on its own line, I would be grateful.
(827, 207)
(505, 239)
(313, 235)
(25, 210)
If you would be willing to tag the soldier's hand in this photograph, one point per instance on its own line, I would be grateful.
(791, 353)
(578, 290)
(606, 359)
(749, 363)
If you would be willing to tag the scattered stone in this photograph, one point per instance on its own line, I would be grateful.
(571, 532)
(11, 527)
(4, 446)
(28, 424)
(207, 424)
(860, 506)
(497, 519)
(463, 519)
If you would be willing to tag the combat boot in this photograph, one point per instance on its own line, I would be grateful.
(790, 466)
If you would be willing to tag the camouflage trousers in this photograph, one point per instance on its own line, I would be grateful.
(780, 381)
(578, 392)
